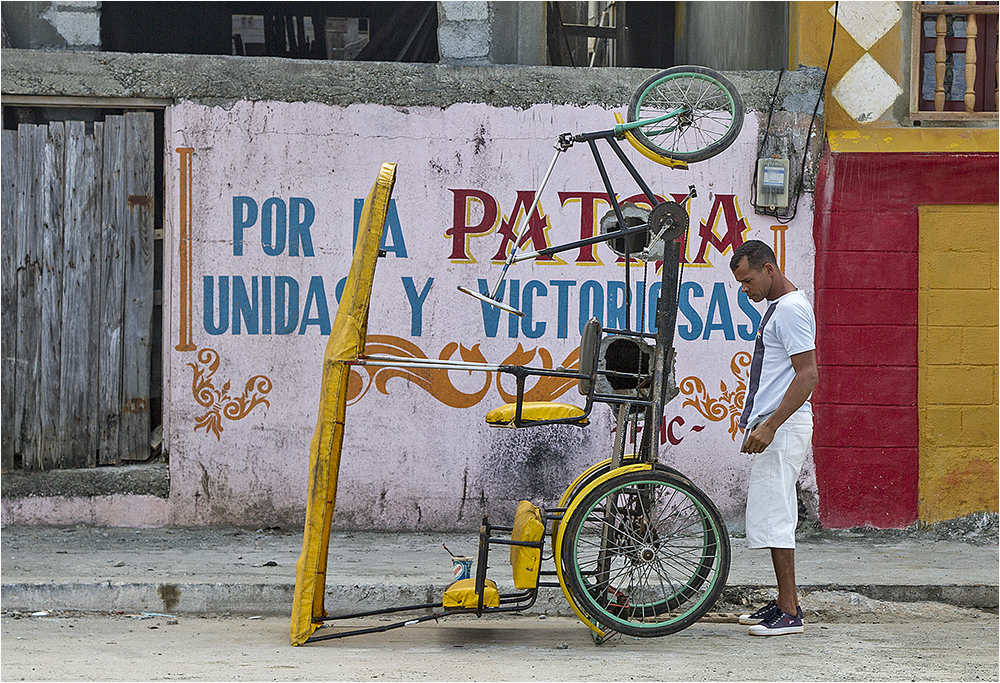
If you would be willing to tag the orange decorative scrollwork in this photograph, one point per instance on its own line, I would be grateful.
(432, 380)
(545, 388)
(436, 381)
(730, 401)
(218, 402)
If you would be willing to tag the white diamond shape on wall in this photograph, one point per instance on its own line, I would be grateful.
(868, 21)
(866, 91)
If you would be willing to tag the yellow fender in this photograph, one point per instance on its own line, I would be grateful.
(564, 499)
(557, 546)
(648, 153)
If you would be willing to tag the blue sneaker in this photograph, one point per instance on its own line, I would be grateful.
(779, 624)
(760, 615)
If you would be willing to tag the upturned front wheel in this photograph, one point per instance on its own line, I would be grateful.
(708, 113)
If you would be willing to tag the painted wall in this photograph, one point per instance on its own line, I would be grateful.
(866, 80)
(261, 202)
(466, 138)
(887, 452)
(957, 352)
(867, 445)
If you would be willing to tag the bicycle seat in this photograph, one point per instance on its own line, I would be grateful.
(532, 413)
(462, 595)
(535, 411)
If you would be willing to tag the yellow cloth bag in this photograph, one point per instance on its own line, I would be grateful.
(528, 526)
(462, 594)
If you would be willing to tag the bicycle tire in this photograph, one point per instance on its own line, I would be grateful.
(672, 600)
(711, 122)
(645, 553)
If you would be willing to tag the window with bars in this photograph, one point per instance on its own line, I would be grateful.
(954, 62)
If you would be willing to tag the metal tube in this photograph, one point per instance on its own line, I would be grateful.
(490, 300)
(596, 239)
(423, 361)
(633, 172)
(527, 217)
(621, 224)
(391, 362)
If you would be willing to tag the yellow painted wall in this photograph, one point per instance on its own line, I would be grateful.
(958, 361)
(868, 84)
(813, 27)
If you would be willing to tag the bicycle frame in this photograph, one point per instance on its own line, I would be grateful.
(652, 407)
(621, 128)
(563, 143)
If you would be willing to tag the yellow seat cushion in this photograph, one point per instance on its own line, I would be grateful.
(528, 526)
(533, 410)
(462, 594)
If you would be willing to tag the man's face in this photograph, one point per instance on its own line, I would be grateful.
(756, 284)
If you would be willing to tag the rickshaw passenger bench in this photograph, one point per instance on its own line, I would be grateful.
(480, 593)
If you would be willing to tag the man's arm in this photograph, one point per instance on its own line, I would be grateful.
(806, 376)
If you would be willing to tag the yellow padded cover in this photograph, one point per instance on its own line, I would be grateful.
(463, 594)
(347, 339)
(646, 151)
(528, 526)
(533, 410)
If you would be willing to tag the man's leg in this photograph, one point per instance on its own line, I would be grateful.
(785, 619)
(783, 560)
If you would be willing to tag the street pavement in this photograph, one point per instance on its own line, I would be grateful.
(177, 571)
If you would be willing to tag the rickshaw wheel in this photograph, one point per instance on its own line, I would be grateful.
(645, 553)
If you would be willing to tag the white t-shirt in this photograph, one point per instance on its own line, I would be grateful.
(786, 329)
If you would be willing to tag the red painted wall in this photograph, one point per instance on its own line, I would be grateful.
(866, 229)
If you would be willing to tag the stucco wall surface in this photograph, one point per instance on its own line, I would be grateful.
(216, 79)
(416, 444)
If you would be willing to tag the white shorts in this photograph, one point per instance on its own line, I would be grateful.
(772, 506)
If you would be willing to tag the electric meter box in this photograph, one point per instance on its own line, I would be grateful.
(772, 182)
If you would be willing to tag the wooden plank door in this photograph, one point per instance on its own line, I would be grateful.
(77, 293)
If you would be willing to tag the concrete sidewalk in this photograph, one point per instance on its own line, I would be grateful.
(237, 571)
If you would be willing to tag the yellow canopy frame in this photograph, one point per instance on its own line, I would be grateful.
(347, 340)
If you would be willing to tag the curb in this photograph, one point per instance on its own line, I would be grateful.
(276, 598)
(974, 596)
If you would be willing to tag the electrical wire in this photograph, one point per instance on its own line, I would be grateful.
(784, 220)
(763, 142)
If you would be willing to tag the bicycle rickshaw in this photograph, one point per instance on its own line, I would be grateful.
(637, 548)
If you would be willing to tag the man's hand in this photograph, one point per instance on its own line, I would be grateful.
(806, 376)
(758, 439)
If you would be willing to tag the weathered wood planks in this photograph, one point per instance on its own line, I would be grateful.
(77, 288)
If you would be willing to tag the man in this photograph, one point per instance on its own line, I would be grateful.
(777, 421)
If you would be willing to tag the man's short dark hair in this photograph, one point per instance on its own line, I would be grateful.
(757, 254)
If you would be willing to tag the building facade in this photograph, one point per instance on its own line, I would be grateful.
(256, 167)
(906, 262)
